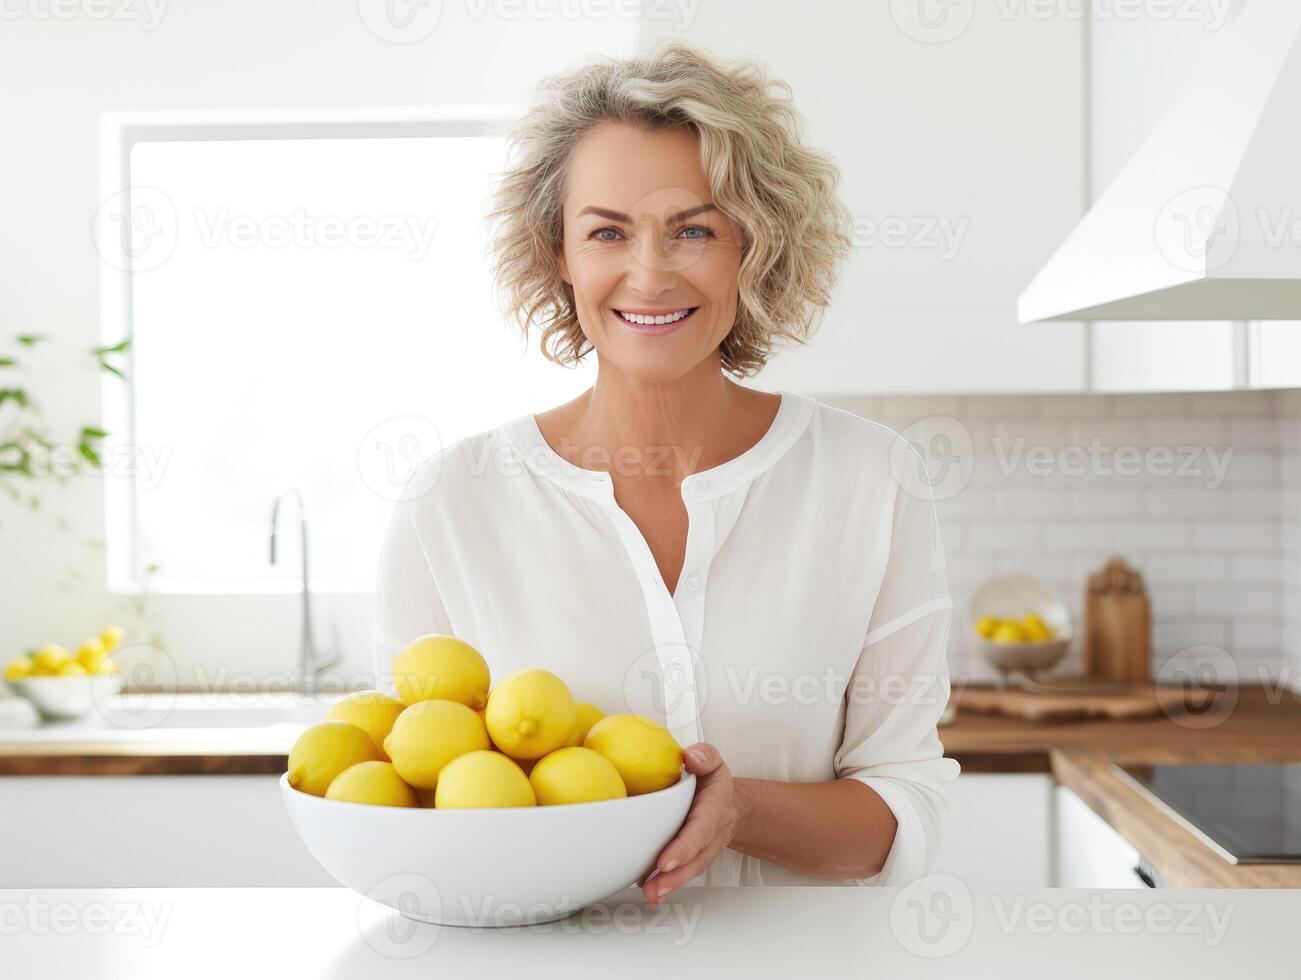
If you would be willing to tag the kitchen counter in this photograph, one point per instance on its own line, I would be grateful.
(1077, 754)
(1261, 727)
(160, 733)
(753, 932)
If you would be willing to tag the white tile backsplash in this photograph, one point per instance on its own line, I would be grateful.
(1202, 492)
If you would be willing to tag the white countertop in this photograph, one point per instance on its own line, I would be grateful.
(752, 932)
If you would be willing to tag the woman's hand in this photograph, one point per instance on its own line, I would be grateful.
(710, 826)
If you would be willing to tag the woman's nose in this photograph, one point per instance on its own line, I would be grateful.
(652, 265)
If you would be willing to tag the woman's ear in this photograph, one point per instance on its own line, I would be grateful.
(563, 266)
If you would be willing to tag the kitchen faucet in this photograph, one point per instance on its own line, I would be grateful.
(310, 663)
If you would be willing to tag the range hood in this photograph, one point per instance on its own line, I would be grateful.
(1204, 223)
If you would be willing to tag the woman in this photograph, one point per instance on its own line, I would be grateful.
(762, 572)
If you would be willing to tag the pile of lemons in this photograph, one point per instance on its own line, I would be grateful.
(52, 660)
(1027, 629)
(452, 740)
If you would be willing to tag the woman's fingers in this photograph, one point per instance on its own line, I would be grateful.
(701, 837)
(662, 884)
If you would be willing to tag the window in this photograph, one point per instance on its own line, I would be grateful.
(314, 312)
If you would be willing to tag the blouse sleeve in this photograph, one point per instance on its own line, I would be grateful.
(407, 603)
(900, 686)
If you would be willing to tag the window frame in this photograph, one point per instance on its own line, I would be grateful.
(119, 133)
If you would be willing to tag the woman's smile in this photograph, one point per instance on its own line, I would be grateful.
(660, 320)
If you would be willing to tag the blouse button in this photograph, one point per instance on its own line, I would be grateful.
(693, 583)
(699, 484)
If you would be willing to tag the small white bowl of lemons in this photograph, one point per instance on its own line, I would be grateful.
(61, 685)
(1020, 625)
(464, 803)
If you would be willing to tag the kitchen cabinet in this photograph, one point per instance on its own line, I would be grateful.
(998, 837)
(150, 832)
(1089, 853)
(1274, 353)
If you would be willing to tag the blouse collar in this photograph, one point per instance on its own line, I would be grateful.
(792, 418)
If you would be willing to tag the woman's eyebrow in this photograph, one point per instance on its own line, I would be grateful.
(673, 218)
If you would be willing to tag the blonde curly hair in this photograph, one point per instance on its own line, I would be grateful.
(780, 192)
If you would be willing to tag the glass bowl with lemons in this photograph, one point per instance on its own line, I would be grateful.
(62, 685)
(463, 802)
(1020, 625)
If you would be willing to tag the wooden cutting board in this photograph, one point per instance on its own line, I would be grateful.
(1068, 699)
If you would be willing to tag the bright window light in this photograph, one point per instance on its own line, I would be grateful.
(322, 317)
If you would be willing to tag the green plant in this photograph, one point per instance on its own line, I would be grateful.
(26, 446)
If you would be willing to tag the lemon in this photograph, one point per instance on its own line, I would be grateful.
(1036, 631)
(377, 783)
(372, 711)
(49, 659)
(72, 668)
(530, 713)
(643, 751)
(1009, 631)
(92, 653)
(18, 668)
(112, 637)
(588, 715)
(430, 734)
(483, 779)
(109, 666)
(443, 668)
(575, 775)
(986, 625)
(323, 751)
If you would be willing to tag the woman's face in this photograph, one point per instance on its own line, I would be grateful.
(642, 240)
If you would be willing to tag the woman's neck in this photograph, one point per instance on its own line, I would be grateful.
(664, 430)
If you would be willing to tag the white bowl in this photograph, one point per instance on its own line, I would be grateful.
(1013, 597)
(489, 867)
(60, 697)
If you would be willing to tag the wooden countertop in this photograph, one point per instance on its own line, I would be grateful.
(1261, 727)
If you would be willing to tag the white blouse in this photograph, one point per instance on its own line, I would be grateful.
(805, 638)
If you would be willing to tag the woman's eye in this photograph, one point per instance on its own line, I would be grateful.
(703, 232)
(606, 234)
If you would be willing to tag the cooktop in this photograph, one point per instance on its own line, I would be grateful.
(1247, 813)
